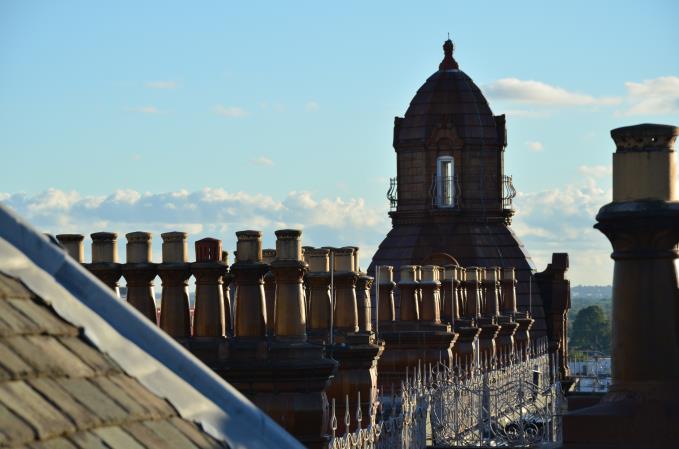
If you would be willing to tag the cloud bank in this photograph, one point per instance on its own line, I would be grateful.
(652, 97)
(212, 212)
(555, 220)
(542, 94)
(657, 96)
(561, 220)
(229, 111)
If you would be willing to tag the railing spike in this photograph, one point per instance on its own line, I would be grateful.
(333, 419)
(359, 413)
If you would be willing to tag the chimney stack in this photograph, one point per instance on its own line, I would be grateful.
(74, 246)
(288, 270)
(174, 272)
(250, 315)
(139, 273)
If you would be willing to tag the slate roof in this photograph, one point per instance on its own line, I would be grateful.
(58, 391)
(449, 96)
(81, 369)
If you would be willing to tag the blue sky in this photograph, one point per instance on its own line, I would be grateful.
(218, 116)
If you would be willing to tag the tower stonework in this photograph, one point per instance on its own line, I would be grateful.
(451, 200)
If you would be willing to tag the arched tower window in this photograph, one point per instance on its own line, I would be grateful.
(445, 182)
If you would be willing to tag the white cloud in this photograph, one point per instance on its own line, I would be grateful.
(562, 219)
(596, 171)
(652, 97)
(527, 113)
(535, 145)
(229, 111)
(211, 212)
(311, 106)
(542, 94)
(145, 109)
(273, 107)
(161, 84)
(262, 160)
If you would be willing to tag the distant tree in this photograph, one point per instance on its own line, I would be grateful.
(591, 330)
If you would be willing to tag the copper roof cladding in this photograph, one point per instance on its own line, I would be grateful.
(449, 94)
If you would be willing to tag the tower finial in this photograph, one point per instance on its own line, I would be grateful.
(448, 62)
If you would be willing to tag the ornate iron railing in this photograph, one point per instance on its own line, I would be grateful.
(392, 193)
(445, 192)
(516, 404)
(508, 192)
(497, 403)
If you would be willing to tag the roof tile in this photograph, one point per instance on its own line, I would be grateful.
(54, 360)
(116, 438)
(133, 406)
(13, 429)
(43, 317)
(12, 364)
(169, 433)
(54, 443)
(144, 435)
(13, 322)
(98, 361)
(34, 409)
(94, 399)
(11, 288)
(87, 440)
(66, 402)
(196, 435)
(132, 387)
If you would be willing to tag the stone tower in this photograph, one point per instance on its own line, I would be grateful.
(451, 200)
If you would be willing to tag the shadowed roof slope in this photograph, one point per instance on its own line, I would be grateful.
(57, 389)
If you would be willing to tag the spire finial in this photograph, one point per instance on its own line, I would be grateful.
(448, 62)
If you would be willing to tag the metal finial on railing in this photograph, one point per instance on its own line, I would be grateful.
(333, 419)
(347, 415)
(359, 413)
